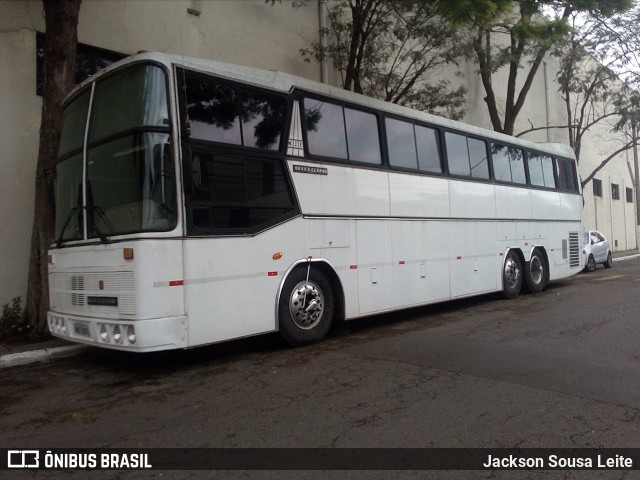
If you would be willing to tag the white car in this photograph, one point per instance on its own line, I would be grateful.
(596, 250)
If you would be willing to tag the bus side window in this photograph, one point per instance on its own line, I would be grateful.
(566, 173)
(541, 170)
(467, 156)
(324, 124)
(428, 151)
(413, 146)
(508, 164)
(457, 154)
(401, 143)
(341, 132)
(362, 136)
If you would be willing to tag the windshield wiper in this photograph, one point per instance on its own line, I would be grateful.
(73, 211)
(103, 238)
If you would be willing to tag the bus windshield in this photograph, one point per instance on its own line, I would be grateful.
(116, 172)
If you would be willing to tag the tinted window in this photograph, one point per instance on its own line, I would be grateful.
(325, 129)
(428, 152)
(478, 158)
(413, 146)
(541, 170)
(401, 143)
(566, 173)
(132, 98)
(262, 117)
(220, 112)
(335, 131)
(68, 191)
(467, 156)
(237, 194)
(362, 136)
(508, 164)
(212, 112)
(131, 185)
(457, 154)
(74, 124)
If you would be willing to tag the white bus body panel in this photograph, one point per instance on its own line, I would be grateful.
(441, 238)
(93, 289)
(231, 284)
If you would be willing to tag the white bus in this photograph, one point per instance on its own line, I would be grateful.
(198, 201)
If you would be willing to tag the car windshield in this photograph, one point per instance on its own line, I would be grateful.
(117, 176)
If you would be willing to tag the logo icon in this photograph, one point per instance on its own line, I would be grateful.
(23, 459)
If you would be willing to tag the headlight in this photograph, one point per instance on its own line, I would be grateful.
(131, 334)
(104, 333)
(117, 334)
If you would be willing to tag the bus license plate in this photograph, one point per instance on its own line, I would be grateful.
(81, 329)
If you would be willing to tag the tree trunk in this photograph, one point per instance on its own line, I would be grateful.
(61, 19)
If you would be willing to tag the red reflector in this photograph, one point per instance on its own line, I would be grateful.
(272, 274)
(353, 267)
(176, 283)
(458, 258)
(401, 262)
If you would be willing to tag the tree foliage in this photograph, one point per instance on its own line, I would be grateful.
(517, 39)
(599, 76)
(393, 50)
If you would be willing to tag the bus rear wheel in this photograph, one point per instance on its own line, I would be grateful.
(512, 275)
(305, 310)
(536, 272)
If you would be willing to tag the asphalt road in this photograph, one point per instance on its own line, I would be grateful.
(560, 369)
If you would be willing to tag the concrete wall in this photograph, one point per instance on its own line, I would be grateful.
(19, 126)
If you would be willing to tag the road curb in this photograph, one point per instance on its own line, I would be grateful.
(627, 257)
(41, 356)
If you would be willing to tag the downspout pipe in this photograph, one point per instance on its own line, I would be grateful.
(323, 20)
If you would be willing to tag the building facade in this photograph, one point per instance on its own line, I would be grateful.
(253, 33)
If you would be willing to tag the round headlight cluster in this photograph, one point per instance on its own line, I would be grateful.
(115, 333)
(57, 325)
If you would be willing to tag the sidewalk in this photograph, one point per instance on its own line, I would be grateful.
(12, 355)
(15, 354)
(626, 255)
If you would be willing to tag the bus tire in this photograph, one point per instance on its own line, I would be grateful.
(306, 307)
(512, 275)
(536, 272)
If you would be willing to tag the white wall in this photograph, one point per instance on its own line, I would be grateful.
(19, 127)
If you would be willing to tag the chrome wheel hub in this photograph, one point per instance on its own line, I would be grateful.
(537, 269)
(511, 273)
(306, 305)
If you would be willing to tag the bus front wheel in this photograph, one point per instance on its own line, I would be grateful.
(306, 307)
(512, 275)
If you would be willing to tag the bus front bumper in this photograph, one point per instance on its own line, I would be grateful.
(150, 335)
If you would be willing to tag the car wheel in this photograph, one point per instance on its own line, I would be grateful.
(609, 262)
(306, 306)
(591, 264)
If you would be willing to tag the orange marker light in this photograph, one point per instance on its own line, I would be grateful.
(277, 256)
(127, 253)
